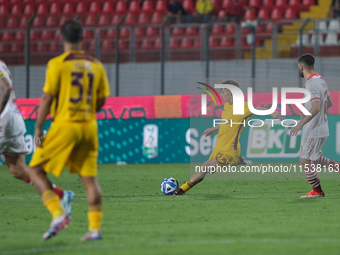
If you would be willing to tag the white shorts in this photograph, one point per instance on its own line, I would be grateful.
(311, 148)
(13, 145)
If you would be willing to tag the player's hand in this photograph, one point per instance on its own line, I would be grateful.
(38, 136)
(276, 115)
(302, 115)
(295, 129)
(209, 131)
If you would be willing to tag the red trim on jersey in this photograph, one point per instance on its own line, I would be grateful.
(315, 98)
(314, 74)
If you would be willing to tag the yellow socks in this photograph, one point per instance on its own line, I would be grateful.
(186, 186)
(51, 201)
(95, 216)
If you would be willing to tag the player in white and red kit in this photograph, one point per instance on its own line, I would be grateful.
(315, 127)
(12, 143)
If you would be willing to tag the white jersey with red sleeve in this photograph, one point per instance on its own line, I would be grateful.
(318, 126)
(11, 120)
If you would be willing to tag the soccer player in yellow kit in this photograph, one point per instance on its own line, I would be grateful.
(75, 89)
(227, 149)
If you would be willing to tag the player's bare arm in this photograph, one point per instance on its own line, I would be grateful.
(329, 105)
(5, 93)
(210, 131)
(100, 103)
(274, 115)
(44, 110)
(314, 110)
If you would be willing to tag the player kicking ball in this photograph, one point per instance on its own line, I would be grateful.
(315, 127)
(227, 149)
(12, 143)
(75, 89)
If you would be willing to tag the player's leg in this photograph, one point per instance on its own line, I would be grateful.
(325, 162)
(197, 177)
(50, 200)
(95, 214)
(18, 168)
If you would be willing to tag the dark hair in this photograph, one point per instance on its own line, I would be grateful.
(72, 31)
(231, 82)
(307, 60)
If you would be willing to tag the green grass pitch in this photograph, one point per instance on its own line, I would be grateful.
(218, 216)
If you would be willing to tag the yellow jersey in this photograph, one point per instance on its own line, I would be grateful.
(76, 80)
(204, 6)
(229, 135)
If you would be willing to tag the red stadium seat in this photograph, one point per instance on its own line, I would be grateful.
(230, 29)
(92, 46)
(217, 29)
(269, 4)
(3, 1)
(254, 4)
(124, 33)
(16, 9)
(121, 7)
(88, 34)
(34, 35)
(94, 7)
(222, 14)
(12, 23)
(55, 8)
(68, 8)
(111, 33)
(54, 47)
(213, 42)
(108, 7)
(290, 13)
(191, 31)
(156, 18)
(158, 44)
(186, 43)
(147, 44)
(123, 45)
(147, 7)
(281, 4)
(116, 18)
(308, 2)
(197, 44)
(276, 14)
(143, 19)
(269, 28)
(91, 20)
(161, 7)
(23, 22)
(4, 9)
(19, 36)
(130, 20)
(81, 8)
(250, 15)
(63, 19)
(14, 1)
(56, 36)
(16, 48)
(38, 21)
(104, 20)
(188, 6)
(227, 42)
(84, 46)
(139, 32)
(151, 32)
(4, 48)
(134, 7)
(47, 35)
(51, 21)
(225, 4)
(263, 14)
(174, 43)
(42, 8)
(7, 37)
(177, 31)
(294, 3)
(42, 47)
(107, 45)
(29, 9)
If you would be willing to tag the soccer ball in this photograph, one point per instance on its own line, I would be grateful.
(169, 186)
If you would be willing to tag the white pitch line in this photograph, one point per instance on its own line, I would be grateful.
(158, 244)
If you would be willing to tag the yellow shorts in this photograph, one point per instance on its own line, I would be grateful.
(71, 144)
(226, 158)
